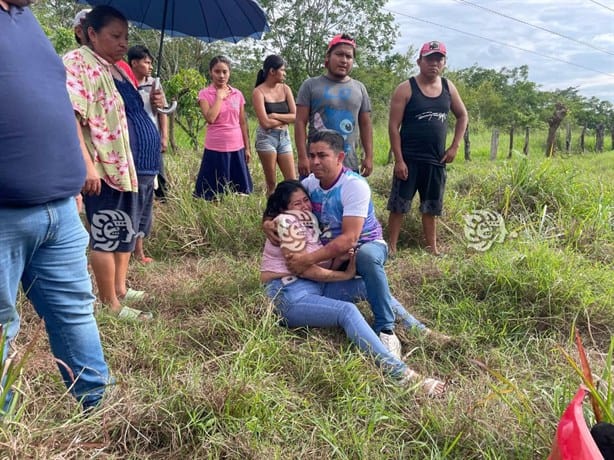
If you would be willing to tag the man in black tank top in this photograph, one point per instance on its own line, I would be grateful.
(417, 128)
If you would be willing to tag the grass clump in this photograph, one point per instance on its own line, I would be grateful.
(215, 376)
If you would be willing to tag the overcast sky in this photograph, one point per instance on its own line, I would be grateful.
(481, 37)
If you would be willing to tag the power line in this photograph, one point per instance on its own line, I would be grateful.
(602, 5)
(537, 27)
(499, 42)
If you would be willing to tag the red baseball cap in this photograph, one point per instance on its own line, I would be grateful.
(432, 47)
(341, 39)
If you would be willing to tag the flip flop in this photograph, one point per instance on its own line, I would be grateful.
(132, 314)
(433, 388)
(132, 295)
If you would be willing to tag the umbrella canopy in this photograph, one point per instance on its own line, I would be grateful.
(207, 20)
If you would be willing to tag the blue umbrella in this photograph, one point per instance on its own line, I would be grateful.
(207, 20)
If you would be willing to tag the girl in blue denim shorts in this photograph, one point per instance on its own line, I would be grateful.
(275, 108)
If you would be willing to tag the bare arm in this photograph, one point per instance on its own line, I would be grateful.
(462, 118)
(264, 119)
(211, 112)
(163, 124)
(289, 117)
(366, 138)
(92, 183)
(350, 232)
(245, 133)
(318, 273)
(300, 138)
(397, 106)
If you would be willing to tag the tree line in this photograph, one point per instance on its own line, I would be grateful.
(503, 99)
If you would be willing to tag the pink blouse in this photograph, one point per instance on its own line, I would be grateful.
(224, 134)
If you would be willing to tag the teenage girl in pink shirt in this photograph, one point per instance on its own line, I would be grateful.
(224, 164)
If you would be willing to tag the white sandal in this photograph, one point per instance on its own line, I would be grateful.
(433, 388)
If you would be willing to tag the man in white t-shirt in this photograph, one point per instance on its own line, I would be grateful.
(341, 200)
(141, 63)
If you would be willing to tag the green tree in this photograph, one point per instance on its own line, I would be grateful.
(381, 77)
(522, 103)
(184, 87)
(300, 30)
(55, 17)
(482, 92)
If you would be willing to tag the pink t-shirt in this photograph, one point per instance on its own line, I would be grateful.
(224, 134)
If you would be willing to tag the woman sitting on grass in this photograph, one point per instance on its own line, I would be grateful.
(300, 302)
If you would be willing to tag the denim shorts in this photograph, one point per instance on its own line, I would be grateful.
(273, 140)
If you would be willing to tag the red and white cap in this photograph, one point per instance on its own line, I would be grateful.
(341, 39)
(432, 47)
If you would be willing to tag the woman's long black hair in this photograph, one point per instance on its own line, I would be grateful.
(280, 199)
(274, 62)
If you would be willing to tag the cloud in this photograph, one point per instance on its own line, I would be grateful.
(579, 50)
(604, 39)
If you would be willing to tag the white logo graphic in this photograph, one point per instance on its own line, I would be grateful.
(439, 116)
(296, 229)
(111, 227)
(483, 228)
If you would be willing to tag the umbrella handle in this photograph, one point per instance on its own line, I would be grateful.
(169, 109)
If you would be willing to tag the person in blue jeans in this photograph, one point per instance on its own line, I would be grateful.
(42, 239)
(342, 204)
(307, 301)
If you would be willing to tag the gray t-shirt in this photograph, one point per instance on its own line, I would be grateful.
(336, 105)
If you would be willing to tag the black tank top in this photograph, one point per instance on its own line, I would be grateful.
(276, 107)
(425, 124)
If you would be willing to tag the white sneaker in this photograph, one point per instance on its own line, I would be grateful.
(391, 342)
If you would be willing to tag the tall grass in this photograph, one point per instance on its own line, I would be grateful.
(215, 376)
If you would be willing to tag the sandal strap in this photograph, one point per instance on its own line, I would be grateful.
(134, 314)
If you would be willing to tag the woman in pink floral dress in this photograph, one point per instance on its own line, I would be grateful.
(111, 190)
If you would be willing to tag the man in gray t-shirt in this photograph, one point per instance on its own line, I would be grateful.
(336, 101)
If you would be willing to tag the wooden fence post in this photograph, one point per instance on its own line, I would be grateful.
(494, 144)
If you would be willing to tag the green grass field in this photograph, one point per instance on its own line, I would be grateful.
(214, 376)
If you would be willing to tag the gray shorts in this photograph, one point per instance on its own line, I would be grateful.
(426, 179)
(273, 140)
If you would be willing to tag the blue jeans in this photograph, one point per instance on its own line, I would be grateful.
(301, 304)
(370, 260)
(355, 290)
(44, 247)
